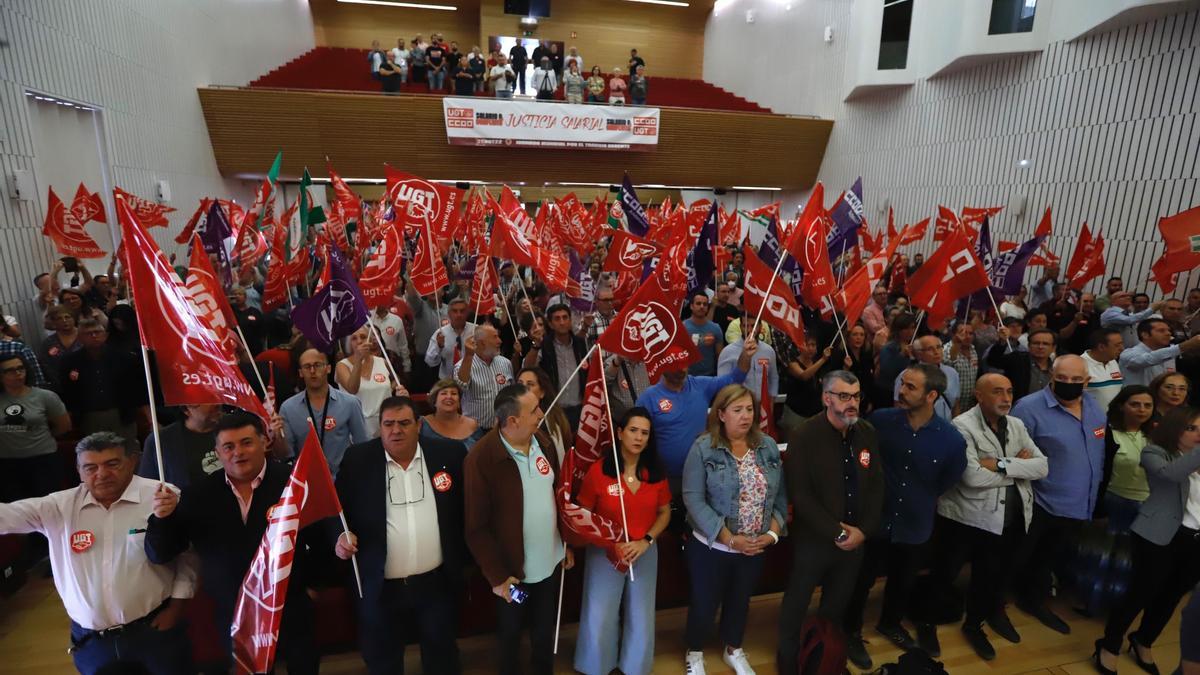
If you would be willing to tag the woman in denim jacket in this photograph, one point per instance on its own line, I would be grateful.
(736, 506)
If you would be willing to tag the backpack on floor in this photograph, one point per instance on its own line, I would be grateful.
(822, 648)
(916, 662)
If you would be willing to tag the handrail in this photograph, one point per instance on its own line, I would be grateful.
(359, 92)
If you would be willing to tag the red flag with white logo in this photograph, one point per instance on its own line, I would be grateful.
(1181, 234)
(648, 327)
(87, 206)
(806, 244)
(428, 273)
(344, 197)
(947, 221)
(66, 231)
(781, 311)
(508, 242)
(627, 252)
(148, 213)
(483, 290)
(856, 290)
(309, 497)
(208, 301)
(952, 272)
(1085, 248)
(1092, 267)
(381, 275)
(193, 368)
(420, 204)
(275, 290)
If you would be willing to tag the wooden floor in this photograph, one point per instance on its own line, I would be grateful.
(33, 639)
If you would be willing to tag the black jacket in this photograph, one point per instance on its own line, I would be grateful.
(549, 362)
(209, 519)
(1015, 365)
(362, 489)
(816, 484)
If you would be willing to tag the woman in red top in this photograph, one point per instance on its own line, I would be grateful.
(647, 512)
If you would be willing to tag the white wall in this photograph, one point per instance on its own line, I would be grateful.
(1110, 123)
(138, 62)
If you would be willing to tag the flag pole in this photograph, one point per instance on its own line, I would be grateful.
(353, 558)
(253, 364)
(162, 476)
(612, 432)
(920, 315)
(763, 305)
(512, 319)
(387, 360)
(567, 382)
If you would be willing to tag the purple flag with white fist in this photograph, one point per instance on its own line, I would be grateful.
(335, 311)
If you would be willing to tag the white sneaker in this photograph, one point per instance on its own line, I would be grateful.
(738, 661)
(695, 663)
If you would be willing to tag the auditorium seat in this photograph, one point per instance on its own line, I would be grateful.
(345, 69)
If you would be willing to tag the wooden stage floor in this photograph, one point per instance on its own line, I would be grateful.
(33, 641)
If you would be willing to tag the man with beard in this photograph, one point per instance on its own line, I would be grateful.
(923, 456)
(836, 489)
(189, 447)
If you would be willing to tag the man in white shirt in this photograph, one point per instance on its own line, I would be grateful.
(391, 328)
(482, 373)
(1104, 373)
(502, 77)
(122, 606)
(446, 347)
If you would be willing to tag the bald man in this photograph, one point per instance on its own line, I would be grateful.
(987, 515)
(336, 415)
(482, 373)
(1068, 426)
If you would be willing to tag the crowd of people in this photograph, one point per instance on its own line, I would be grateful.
(987, 440)
(442, 67)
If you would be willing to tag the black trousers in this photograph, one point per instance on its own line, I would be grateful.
(1043, 546)
(990, 556)
(26, 477)
(815, 563)
(537, 614)
(1162, 575)
(900, 562)
(719, 580)
(423, 606)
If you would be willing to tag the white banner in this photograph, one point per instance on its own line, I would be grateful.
(528, 124)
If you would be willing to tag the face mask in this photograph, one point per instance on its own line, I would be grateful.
(1068, 391)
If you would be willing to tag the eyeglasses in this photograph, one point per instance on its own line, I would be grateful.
(13, 370)
(313, 366)
(846, 397)
(1178, 388)
(399, 494)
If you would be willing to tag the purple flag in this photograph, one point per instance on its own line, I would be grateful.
(1008, 268)
(587, 296)
(847, 217)
(769, 251)
(213, 232)
(700, 262)
(335, 311)
(979, 299)
(635, 213)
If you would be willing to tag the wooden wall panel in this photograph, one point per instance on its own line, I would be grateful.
(349, 25)
(670, 39)
(360, 133)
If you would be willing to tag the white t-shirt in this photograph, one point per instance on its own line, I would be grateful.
(371, 392)
(391, 327)
(502, 83)
(1105, 380)
(401, 57)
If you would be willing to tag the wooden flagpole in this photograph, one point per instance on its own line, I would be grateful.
(162, 476)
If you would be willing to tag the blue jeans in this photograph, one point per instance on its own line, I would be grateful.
(437, 80)
(159, 652)
(504, 93)
(600, 617)
(719, 580)
(1121, 512)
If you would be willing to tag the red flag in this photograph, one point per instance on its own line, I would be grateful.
(766, 404)
(428, 273)
(891, 228)
(856, 290)
(252, 246)
(1181, 233)
(269, 397)
(1005, 245)
(807, 245)
(275, 290)
(1044, 226)
(308, 498)
(627, 252)
(946, 222)
(474, 226)
(508, 242)
(781, 311)
(148, 213)
(914, 233)
(1084, 247)
(201, 211)
(974, 216)
(345, 198)
(381, 276)
(421, 204)
(297, 269)
(207, 299)
(483, 290)
(66, 231)
(192, 366)
(648, 327)
(1092, 267)
(871, 243)
(952, 272)
(87, 206)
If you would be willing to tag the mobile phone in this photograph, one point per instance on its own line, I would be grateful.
(70, 264)
(842, 537)
(519, 595)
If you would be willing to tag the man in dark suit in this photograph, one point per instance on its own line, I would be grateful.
(561, 351)
(408, 533)
(223, 517)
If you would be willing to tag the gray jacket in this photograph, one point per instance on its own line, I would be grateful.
(977, 500)
(1161, 514)
(711, 487)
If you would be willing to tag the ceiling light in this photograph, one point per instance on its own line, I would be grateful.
(671, 3)
(410, 5)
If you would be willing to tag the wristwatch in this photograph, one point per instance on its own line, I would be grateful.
(1002, 466)
(648, 539)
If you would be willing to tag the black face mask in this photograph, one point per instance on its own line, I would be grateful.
(1067, 391)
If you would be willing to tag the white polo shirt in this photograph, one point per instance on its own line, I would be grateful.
(1104, 380)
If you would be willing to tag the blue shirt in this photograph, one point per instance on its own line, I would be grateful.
(343, 420)
(918, 466)
(707, 365)
(678, 416)
(762, 366)
(944, 406)
(539, 519)
(1074, 449)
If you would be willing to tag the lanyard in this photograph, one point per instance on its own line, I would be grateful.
(313, 416)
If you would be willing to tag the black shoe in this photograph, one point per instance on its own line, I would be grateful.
(1137, 658)
(979, 642)
(999, 622)
(856, 651)
(1096, 660)
(1043, 614)
(898, 635)
(927, 639)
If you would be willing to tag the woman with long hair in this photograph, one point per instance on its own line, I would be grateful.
(1170, 390)
(637, 477)
(1166, 542)
(737, 507)
(1129, 420)
(860, 360)
(364, 374)
(557, 426)
(447, 422)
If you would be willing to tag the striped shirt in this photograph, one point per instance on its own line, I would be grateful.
(479, 395)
